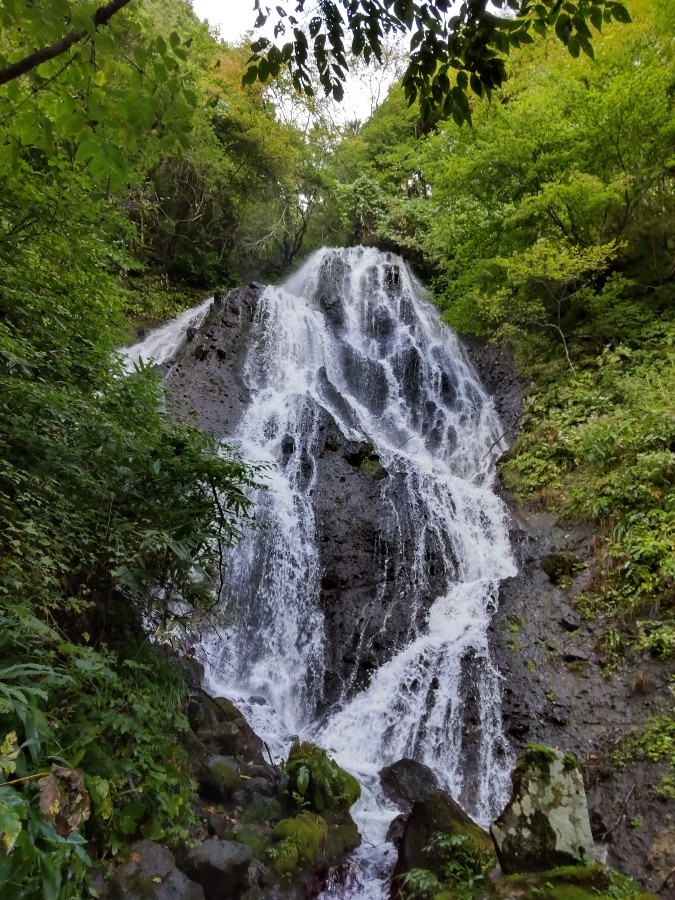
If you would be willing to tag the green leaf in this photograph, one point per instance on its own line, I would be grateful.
(11, 811)
(621, 14)
(87, 149)
(302, 780)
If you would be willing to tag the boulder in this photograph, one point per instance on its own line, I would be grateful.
(545, 823)
(219, 778)
(220, 867)
(220, 726)
(151, 874)
(406, 781)
(318, 779)
(437, 813)
(396, 829)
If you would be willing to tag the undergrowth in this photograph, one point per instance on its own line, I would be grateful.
(600, 445)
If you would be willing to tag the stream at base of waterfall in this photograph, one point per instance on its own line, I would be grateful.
(349, 340)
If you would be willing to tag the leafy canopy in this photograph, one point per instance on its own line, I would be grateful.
(452, 51)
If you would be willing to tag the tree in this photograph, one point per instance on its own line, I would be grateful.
(451, 52)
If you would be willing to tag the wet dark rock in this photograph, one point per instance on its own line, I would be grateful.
(407, 781)
(396, 829)
(287, 445)
(220, 867)
(213, 388)
(366, 379)
(570, 621)
(558, 715)
(381, 324)
(574, 705)
(437, 812)
(574, 654)
(151, 874)
(190, 334)
(219, 778)
(560, 566)
(497, 371)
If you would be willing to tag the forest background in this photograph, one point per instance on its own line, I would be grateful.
(138, 173)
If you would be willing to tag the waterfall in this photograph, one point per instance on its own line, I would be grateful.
(349, 340)
(162, 343)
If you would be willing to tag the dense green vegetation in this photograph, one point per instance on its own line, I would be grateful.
(136, 170)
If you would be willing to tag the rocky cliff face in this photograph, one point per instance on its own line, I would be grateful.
(362, 595)
(554, 689)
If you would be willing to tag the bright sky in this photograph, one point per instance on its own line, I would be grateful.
(233, 17)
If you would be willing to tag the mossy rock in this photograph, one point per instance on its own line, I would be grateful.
(308, 832)
(262, 811)
(567, 883)
(545, 823)
(298, 845)
(224, 774)
(229, 710)
(373, 467)
(252, 839)
(319, 781)
(437, 814)
(343, 835)
(560, 567)
(283, 859)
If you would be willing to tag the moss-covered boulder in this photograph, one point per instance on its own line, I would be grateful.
(221, 777)
(566, 883)
(545, 823)
(317, 780)
(298, 844)
(437, 835)
(343, 835)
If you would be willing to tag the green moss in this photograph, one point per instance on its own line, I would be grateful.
(569, 883)
(569, 762)
(372, 466)
(317, 780)
(225, 775)
(262, 811)
(283, 859)
(308, 832)
(538, 755)
(252, 839)
(560, 567)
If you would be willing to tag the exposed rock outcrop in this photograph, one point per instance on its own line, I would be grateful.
(545, 823)
(220, 867)
(571, 702)
(150, 873)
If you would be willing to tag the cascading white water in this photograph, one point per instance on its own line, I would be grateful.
(349, 338)
(162, 343)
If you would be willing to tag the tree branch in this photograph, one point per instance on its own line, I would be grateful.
(101, 17)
